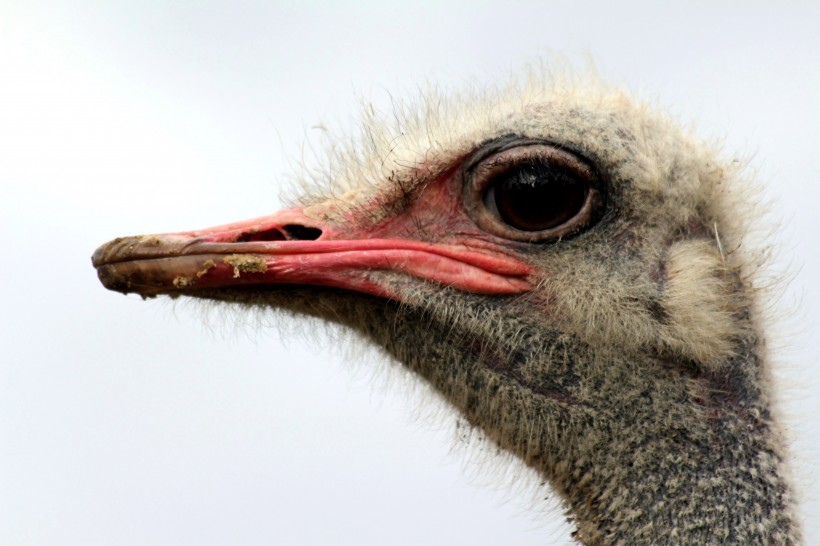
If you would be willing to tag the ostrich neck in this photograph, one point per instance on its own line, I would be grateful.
(650, 452)
(643, 451)
(668, 481)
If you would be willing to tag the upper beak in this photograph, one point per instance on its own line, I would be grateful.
(290, 248)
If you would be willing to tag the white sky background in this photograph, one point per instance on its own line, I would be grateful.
(129, 422)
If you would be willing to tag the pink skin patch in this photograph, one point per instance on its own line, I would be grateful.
(338, 253)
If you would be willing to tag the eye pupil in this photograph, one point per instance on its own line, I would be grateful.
(537, 197)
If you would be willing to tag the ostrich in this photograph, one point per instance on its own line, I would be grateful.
(568, 268)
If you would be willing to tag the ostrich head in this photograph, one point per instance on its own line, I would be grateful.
(566, 268)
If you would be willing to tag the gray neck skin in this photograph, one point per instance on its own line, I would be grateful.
(654, 451)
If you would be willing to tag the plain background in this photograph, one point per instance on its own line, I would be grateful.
(130, 422)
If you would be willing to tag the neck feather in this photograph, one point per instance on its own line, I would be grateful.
(643, 450)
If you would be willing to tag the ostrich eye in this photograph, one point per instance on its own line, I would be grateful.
(536, 197)
(533, 193)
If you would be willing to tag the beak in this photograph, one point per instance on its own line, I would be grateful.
(291, 248)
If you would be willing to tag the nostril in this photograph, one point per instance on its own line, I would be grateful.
(302, 233)
(272, 234)
(289, 232)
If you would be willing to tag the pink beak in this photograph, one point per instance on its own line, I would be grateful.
(290, 248)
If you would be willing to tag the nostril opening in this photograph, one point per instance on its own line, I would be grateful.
(289, 232)
(302, 233)
(272, 234)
